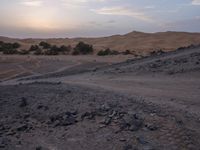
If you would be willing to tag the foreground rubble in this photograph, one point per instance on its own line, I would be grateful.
(58, 116)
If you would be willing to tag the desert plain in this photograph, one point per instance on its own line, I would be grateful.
(92, 103)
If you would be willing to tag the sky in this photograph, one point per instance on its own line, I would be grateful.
(95, 18)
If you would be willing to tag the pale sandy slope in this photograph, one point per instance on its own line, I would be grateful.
(137, 41)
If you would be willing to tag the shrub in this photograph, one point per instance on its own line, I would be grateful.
(52, 51)
(65, 49)
(104, 52)
(45, 45)
(1, 43)
(127, 52)
(23, 52)
(38, 52)
(16, 45)
(34, 48)
(107, 52)
(8, 48)
(10, 51)
(157, 52)
(82, 48)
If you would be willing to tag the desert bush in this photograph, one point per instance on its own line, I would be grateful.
(16, 45)
(38, 52)
(9, 48)
(65, 49)
(1, 43)
(157, 52)
(45, 45)
(82, 48)
(107, 52)
(127, 52)
(54, 50)
(104, 52)
(34, 48)
(10, 51)
(23, 52)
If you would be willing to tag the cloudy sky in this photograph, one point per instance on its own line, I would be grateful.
(91, 18)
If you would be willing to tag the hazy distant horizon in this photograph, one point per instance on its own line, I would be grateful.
(72, 37)
(96, 18)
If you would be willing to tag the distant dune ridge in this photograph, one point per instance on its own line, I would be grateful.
(134, 41)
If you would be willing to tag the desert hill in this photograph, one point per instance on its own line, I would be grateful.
(134, 41)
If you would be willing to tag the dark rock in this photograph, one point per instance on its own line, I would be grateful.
(11, 132)
(23, 102)
(151, 127)
(68, 118)
(26, 115)
(141, 140)
(43, 107)
(38, 148)
(132, 122)
(107, 120)
(128, 147)
(88, 115)
(122, 139)
(153, 66)
(105, 107)
(112, 114)
(22, 127)
(2, 146)
(95, 69)
(4, 142)
(147, 147)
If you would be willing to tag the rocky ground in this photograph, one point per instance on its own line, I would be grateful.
(146, 104)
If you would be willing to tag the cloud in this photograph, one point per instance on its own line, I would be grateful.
(32, 3)
(195, 2)
(80, 2)
(122, 11)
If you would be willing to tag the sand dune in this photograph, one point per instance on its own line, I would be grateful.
(135, 41)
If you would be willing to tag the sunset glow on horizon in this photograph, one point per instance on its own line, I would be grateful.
(78, 18)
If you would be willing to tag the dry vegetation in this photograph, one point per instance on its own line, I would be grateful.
(136, 42)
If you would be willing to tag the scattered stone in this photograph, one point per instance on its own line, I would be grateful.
(38, 148)
(153, 66)
(128, 147)
(151, 127)
(4, 142)
(66, 119)
(43, 107)
(122, 139)
(102, 126)
(112, 114)
(141, 140)
(105, 107)
(23, 102)
(107, 120)
(11, 132)
(88, 115)
(95, 69)
(147, 147)
(22, 128)
(132, 122)
(26, 115)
